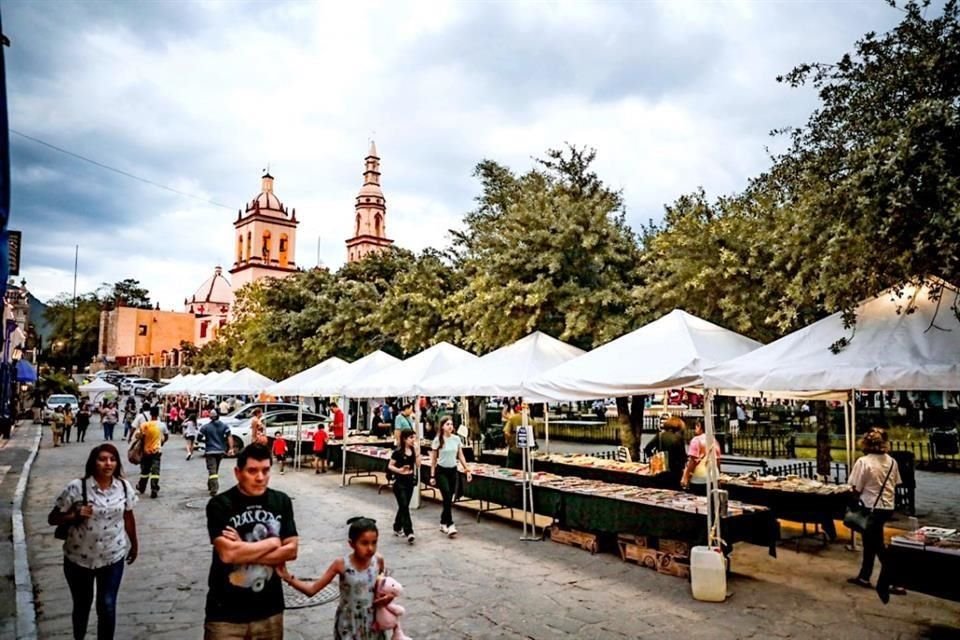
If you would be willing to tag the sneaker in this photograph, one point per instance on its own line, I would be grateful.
(189, 455)
(398, 533)
(452, 530)
(411, 538)
(153, 494)
(444, 529)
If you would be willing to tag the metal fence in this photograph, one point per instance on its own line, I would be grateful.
(774, 446)
(928, 456)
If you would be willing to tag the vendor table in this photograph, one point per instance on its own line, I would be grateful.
(923, 570)
(596, 513)
(797, 506)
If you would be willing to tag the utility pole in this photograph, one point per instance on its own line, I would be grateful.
(73, 316)
(318, 252)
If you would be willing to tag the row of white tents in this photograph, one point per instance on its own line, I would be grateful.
(913, 344)
(906, 338)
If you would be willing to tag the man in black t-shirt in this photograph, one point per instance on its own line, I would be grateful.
(253, 531)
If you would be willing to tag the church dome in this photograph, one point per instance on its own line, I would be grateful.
(266, 201)
(213, 296)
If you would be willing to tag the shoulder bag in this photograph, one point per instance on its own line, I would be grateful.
(859, 517)
(135, 452)
(62, 530)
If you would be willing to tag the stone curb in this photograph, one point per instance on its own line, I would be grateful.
(26, 611)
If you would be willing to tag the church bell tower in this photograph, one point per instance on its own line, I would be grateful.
(265, 238)
(370, 221)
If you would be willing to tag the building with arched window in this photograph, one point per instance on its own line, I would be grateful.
(370, 230)
(268, 230)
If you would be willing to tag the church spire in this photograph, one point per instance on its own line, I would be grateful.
(371, 174)
(370, 212)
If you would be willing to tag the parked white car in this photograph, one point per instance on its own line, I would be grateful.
(284, 421)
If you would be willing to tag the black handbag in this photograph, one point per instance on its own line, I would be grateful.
(62, 530)
(859, 517)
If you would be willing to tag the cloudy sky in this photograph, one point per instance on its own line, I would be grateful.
(201, 96)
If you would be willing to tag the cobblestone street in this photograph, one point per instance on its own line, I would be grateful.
(485, 584)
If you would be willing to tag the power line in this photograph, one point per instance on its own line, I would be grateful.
(120, 171)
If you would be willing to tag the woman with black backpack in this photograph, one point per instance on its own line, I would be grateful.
(94, 518)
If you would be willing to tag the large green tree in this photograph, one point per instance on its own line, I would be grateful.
(868, 194)
(545, 250)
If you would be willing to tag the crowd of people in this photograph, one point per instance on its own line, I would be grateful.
(252, 527)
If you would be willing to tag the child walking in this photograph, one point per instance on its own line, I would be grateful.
(279, 448)
(319, 449)
(358, 573)
(403, 464)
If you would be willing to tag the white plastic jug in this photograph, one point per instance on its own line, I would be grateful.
(708, 574)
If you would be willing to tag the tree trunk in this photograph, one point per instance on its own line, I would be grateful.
(630, 421)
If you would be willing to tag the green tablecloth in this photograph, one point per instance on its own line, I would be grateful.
(601, 514)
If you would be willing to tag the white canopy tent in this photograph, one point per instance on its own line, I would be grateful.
(198, 387)
(334, 382)
(504, 372)
(245, 382)
(668, 353)
(177, 385)
(905, 338)
(294, 385)
(404, 378)
(906, 343)
(97, 388)
(909, 341)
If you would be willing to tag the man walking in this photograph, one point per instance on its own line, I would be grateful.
(252, 531)
(214, 435)
(404, 422)
(154, 434)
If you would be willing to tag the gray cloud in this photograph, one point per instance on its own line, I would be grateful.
(200, 96)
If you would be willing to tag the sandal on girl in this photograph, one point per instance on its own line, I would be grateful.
(898, 591)
(860, 582)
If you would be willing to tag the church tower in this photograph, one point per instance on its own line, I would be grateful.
(370, 222)
(265, 238)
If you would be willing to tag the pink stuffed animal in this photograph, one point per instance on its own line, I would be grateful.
(388, 617)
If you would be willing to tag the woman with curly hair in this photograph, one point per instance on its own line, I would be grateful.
(874, 477)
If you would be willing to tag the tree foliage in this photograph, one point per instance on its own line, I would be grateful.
(867, 196)
(547, 250)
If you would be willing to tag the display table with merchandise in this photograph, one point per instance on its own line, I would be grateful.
(926, 562)
(792, 498)
(596, 506)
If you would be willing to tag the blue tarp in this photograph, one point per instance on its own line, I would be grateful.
(26, 372)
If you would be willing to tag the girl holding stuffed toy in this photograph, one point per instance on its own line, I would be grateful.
(358, 573)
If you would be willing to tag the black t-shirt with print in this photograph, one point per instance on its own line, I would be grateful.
(400, 460)
(244, 593)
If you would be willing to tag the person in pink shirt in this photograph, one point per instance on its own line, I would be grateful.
(696, 469)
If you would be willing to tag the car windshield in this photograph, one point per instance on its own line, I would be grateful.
(61, 400)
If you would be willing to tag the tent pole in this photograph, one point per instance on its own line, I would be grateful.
(415, 499)
(343, 447)
(546, 426)
(713, 500)
(297, 447)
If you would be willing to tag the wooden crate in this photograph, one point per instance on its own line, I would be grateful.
(644, 556)
(586, 541)
(674, 547)
(672, 565)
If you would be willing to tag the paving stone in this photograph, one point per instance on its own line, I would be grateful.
(485, 584)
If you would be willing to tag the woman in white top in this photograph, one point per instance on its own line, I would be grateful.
(445, 451)
(875, 476)
(190, 431)
(102, 534)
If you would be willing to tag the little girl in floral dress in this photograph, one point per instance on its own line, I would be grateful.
(358, 573)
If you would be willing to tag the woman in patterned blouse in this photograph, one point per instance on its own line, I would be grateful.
(102, 534)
